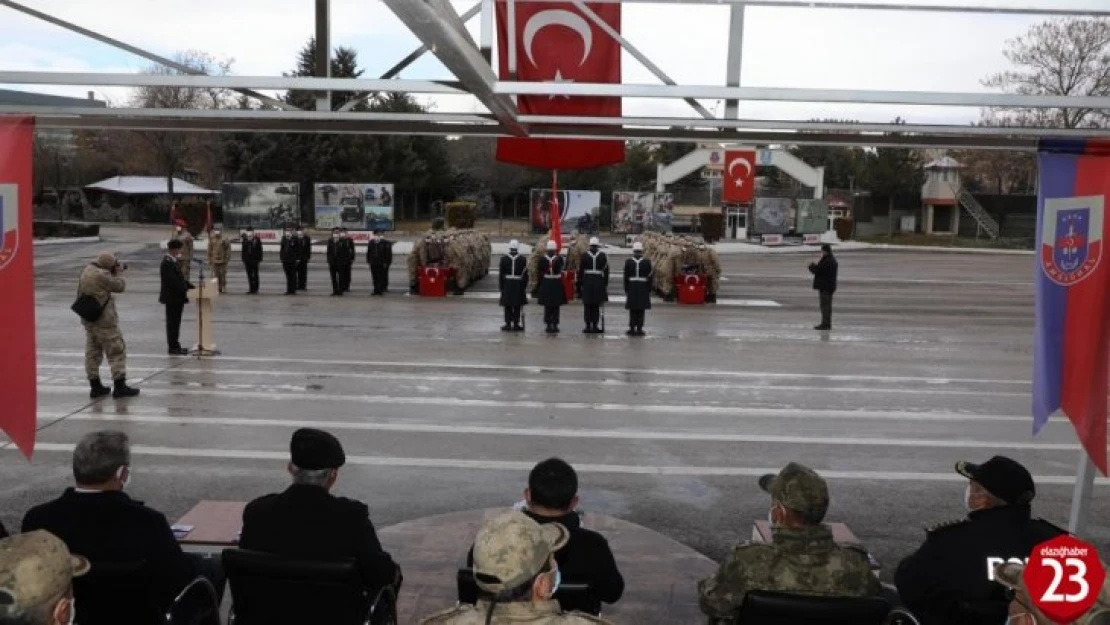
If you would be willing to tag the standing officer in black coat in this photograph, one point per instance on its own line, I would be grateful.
(307, 522)
(174, 294)
(347, 260)
(593, 284)
(949, 580)
(824, 282)
(304, 253)
(637, 288)
(512, 281)
(379, 255)
(335, 261)
(252, 258)
(552, 293)
(290, 253)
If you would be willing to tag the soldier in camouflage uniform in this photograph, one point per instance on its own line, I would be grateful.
(516, 575)
(801, 558)
(102, 337)
(219, 255)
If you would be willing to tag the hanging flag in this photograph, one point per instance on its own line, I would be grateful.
(556, 216)
(1072, 281)
(17, 283)
(557, 42)
(739, 178)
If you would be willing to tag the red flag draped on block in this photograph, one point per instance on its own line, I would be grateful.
(556, 42)
(17, 284)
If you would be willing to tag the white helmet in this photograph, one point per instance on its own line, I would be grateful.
(595, 241)
(551, 245)
(514, 244)
(637, 247)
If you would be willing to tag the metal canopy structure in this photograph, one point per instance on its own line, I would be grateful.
(442, 31)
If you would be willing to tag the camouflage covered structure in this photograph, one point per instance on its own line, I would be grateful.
(468, 252)
(673, 255)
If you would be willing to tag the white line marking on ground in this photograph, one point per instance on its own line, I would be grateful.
(505, 465)
(890, 280)
(455, 402)
(478, 366)
(542, 381)
(704, 437)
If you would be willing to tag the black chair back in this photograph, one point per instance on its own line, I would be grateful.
(116, 592)
(467, 589)
(267, 589)
(777, 608)
(196, 604)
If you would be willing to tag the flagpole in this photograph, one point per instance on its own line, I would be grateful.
(556, 220)
(1081, 495)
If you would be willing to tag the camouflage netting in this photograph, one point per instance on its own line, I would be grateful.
(466, 251)
(672, 255)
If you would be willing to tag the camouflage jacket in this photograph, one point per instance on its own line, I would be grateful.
(187, 242)
(100, 283)
(543, 613)
(219, 250)
(798, 560)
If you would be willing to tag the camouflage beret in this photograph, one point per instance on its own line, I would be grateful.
(513, 549)
(800, 489)
(35, 567)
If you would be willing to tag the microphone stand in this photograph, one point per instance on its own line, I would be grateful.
(201, 350)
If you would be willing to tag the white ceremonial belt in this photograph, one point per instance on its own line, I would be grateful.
(513, 277)
(595, 272)
(638, 279)
(556, 277)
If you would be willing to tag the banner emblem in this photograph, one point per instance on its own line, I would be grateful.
(1071, 239)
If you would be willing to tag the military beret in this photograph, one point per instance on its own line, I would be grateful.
(314, 450)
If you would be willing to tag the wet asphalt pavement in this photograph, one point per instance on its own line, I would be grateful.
(929, 363)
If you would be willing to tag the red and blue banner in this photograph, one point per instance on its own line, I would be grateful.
(17, 284)
(1071, 351)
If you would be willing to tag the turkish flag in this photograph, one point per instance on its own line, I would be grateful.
(555, 42)
(17, 283)
(739, 186)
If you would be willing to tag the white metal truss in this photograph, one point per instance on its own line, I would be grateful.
(442, 32)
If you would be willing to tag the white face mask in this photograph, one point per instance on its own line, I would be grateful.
(335, 237)
(72, 611)
(967, 498)
(215, 233)
(288, 235)
(124, 482)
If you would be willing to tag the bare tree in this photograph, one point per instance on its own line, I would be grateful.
(172, 151)
(1069, 56)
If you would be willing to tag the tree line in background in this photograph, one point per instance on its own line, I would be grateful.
(1057, 57)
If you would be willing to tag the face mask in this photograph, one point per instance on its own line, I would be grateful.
(771, 515)
(72, 611)
(558, 580)
(1020, 619)
(124, 482)
(288, 235)
(335, 236)
(215, 233)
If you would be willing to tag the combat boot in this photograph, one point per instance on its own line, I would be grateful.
(710, 298)
(506, 328)
(122, 390)
(98, 389)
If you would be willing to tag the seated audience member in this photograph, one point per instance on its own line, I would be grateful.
(36, 580)
(949, 580)
(1022, 611)
(552, 497)
(517, 576)
(101, 522)
(801, 558)
(307, 522)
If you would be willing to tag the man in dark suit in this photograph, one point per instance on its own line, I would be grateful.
(308, 522)
(252, 258)
(379, 255)
(101, 522)
(290, 253)
(304, 253)
(174, 294)
(824, 282)
(552, 497)
(336, 254)
(348, 259)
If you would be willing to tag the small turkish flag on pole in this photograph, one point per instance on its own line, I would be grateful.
(739, 178)
(556, 219)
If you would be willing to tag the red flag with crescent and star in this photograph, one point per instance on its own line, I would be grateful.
(557, 42)
(739, 185)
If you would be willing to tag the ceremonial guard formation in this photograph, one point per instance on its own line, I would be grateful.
(512, 281)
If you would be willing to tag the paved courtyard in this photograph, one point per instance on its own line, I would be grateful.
(929, 363)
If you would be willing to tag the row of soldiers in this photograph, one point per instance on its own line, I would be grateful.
(546, 270)
(676, 255)
(467, 252)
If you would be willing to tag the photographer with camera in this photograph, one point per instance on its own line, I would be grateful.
(97, 309)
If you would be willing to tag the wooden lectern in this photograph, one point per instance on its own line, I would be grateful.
(203, 295)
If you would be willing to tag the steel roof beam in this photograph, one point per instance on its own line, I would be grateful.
(277, 83)
(150, 56)
(247, 114)
(781, 94)
(460, 57)
(876, 6)
(355, 127)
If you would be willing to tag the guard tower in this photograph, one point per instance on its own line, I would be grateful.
(940, 206)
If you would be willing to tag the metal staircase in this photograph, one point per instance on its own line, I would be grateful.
(982, 217)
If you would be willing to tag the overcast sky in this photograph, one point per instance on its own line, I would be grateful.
(847, 49)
